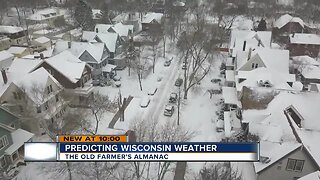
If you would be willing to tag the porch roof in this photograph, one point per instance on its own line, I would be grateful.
(19, 137)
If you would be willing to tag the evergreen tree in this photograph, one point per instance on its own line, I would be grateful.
(262, 26)
(83, 15)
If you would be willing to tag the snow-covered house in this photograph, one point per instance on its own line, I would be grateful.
(18, 51)
(129, 18)
(16, 34)
(243, 40)
(12, 145)
(111, 40)
(72, 35)
(152, 21)
(95, 54)
(37, 97)
(230, 78)
(304, 44)
(6, 59)
(123, 30)
(72, 73)
(46, 16)
(287, 24)
(42, 41)
(96, 14)
(288, 131)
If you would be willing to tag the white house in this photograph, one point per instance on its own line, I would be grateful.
(42, 41)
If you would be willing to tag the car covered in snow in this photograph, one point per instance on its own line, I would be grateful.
(117, 83)
(145, 101)
(168, 110)
(116, 78)
(98, 83)
(173, 98)
(178, 82)
(184, 66)
(152, 91)
(167, 63)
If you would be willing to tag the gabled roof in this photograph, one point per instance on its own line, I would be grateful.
(251, 37)
(274, 151)
(305, 60)
(10, 29)
(68, 65)
(311, 72)
(109, 39)
(312, 176)
(78, 48)
(274, 59)
(285, 19)
(301, 38)
(122, 30)
(34, 84)
(102, 28)
(5, 55)
(149, 17)
(19, 137)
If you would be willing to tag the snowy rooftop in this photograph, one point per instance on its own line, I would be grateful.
(231, 122)
(149, 17)
(305, 60)
(68, 65)
(96, 13)
(311, 72)
(19, 137)
(125, 17)
(77, 48)
(21, 65)
(274, 151)
(36, 79)
(122, 30)
(42, 39)
(285, 19)
(108, 68)
(230, 75)
(273, 59)
(45, 14)
(110, 39)
(102, 27)
(311, 176)
(301, 38)
(252, 78)
(230, 95)
(252, 37)
(5, 55)
(16, 50)
(10, 29)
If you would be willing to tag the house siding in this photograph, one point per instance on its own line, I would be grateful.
(278, 170)
(248, 65)
(304, 49)
(8, 119)
(4, 132)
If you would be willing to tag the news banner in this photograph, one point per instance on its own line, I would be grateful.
(117, 148)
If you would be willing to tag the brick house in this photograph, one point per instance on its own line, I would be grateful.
(304, 44)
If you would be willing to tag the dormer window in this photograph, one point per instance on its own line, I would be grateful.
(3, 142)
(49, 89)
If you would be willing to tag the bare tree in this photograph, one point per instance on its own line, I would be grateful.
(219, 171)
(141, 65)
(98, 105)
(155, 36)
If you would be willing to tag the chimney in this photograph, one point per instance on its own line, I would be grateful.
(41, 56)
(244, 45)
(69, 44)
(249, 54)
(97, 30)
(293, 34)
(259, 42)
(4, 76)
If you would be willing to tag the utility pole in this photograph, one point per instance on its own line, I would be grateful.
(179, 95)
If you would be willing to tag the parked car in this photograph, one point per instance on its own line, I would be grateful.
(167, 63)
(117, 83)
(173, 98)
(98, 83)
(215, 80)
(178, 82)
(145, 101)
(168, 110)
(184, 66)
(152, 91)
(116, 78)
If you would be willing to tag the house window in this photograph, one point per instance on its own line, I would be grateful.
(39, 109)
(252, 65)
(14, 156)
(46, 105)
(49, 89)
(12, 125)
(295, 165)
(57, 98)
(256, 66)
(21, 109)
(3, 161)
(17, 96)
(3, 142)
